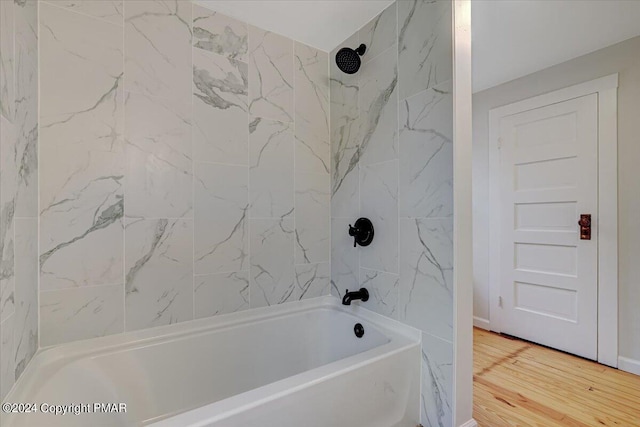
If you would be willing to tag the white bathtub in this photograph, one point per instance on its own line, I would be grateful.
(294, 365)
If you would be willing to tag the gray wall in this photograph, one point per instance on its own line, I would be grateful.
(392, 161)
(18, 189)
(622, 58)
(184, 167)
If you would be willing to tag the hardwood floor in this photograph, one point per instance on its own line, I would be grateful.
(517, 383)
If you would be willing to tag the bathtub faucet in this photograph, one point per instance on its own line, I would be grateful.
(362, 295)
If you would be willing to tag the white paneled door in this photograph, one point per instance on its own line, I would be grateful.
(549, 177)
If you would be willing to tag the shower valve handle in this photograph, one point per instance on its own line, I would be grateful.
(353, 231)
(362, 232)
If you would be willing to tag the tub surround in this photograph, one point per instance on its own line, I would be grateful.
(392, 161)
(18, 189)
(185, 168)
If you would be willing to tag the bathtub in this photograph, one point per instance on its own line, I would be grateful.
(294, 365)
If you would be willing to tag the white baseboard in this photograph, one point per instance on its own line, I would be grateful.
(629, 365)
(470, 423)
(481, 323)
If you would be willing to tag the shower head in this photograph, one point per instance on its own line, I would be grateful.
(348, 60)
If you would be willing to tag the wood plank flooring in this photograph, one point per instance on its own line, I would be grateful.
(517, 383)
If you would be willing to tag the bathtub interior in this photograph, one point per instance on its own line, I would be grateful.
(171, 373)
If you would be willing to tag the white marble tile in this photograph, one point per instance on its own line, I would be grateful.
(424, 43)
(345, 194)
(426, 153)
(7, 281)
(313, 280)
(220, 34)
(7, 364)
(26, 24)
(271, 144)
(25, 154)
(272, 269)
(18, 189)
(18, 135)
(220, 108)
(77, 314)
(78, 75)
(26, 315)
(81, 231)
(312, 109)
(379, 203)
(18, 163)
(81, 176)
(344, 138)
(271, 193)
(159, 176)
(270, 75)
(345, 189)
(313, 217)
(7, 34)
(158, 48)
(159, 272)
(7, 213)
(221, 293)
(379, 109)
(8, 166)
(383, 292)
(437, 382)
(70, 138)
(380, 33)
(271, 174)
(426, 275)
(221, 214)
(344, 258)
(110, 11)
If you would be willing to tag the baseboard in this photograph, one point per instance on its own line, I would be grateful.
(481, 323)
(470, 423)
(629, 365)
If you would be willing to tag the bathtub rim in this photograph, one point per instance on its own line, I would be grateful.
(48, 357)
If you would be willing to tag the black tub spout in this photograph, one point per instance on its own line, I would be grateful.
(362, 295)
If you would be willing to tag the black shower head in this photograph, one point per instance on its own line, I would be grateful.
(348, 60)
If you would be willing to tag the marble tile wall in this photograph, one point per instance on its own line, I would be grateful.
(185, 167)
(82, 159)
(391, 161)
(18, 189)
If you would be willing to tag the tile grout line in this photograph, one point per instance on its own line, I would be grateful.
(39, 322)
(249, 201)
(193, 176)
(12, 108)
(295, 163)
(399, 193)
(328, 291)
(78, 288)
(124, 183)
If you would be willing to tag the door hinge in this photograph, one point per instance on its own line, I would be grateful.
(499, 143)
(500, 302)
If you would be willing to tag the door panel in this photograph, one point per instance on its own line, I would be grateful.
(555, 216)
(548, 178)
(535, 298)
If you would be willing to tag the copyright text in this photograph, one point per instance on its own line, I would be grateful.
(65, 409)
